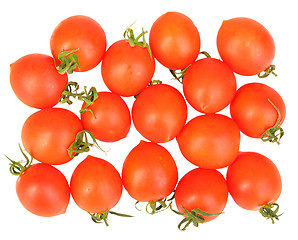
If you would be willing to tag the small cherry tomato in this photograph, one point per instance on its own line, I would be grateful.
(36, 82)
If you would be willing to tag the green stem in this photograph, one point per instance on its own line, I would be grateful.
(69, 62)
(268, 71)
(103, 217)
(179, 74)
(268, 211)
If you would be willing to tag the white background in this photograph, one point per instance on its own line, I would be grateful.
(26, 27)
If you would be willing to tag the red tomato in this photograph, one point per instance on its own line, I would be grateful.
(43, 190)
(127, 70)
(210, 141)
(36, 82)
(82, 33)
(159, 113)
(209, 85)
(48, 133)
(96, 185)
(204, 189)
(149, 172)
(174, 40)
(252, 110)
(110, 120)
(245, 45)
(253, 180)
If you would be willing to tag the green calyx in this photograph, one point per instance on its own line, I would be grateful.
(103, 217)
(269, 211)
(69, 61)
(268, 71)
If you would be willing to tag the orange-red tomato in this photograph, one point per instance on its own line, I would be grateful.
(209, 85)
(96, 185)
(48, 133)
(36, 81)
(245, 45)
(43, 190)
(174, 40)
(159, 113)
(149, 172)
(253, 180)
(205, 189)
(210, 141)
(110, 118)
(82, 33)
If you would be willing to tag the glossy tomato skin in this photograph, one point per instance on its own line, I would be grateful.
(210, 141)
(111, 120)
(149, 172)
(43, 190)
(209, 85)
(159, 113)
(82, 33)
(96, 185)
(174, 40)
(253, 112)
(36, 81)
(127, 70)
(253, 180)
(245, 45)
(205, 189)
(48, 133)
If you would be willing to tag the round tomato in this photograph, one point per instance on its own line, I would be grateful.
(245, 45)
(209, 85)
(83, 34)
(256, 108)
(253, 181)
(109, 119)
(149, 172)
(96, 185)
(174, 40)
(43, 190)
(202, 189)
(159, 113)
(210, 141)
(48, 133)
(127, 70)
(36, 82)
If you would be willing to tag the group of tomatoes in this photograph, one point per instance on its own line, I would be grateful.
(159, 113)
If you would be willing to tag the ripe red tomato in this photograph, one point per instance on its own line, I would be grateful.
(253, 112)
(48, 133)
(159, 113)
(174, 40)
(43, 190)
(204, 189)
(36, 82)
(82, 33)
(253, 181)
(209, 85)
(245, 45)
(149, 172)
(110, 118)
(96, 185)
(127, 70)
(210, 141)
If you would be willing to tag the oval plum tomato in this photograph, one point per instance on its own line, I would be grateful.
(43, 190)
(127, 70)
(174, 40)
(48, 133)
(254, 182)
(203, 192)
(83, 34)
(259, 111)
(210, 141)
(96, 185)
(245, 45)
(159, 113)
(109, 119)
(209, 85)
(36, 82)
(149, 172)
